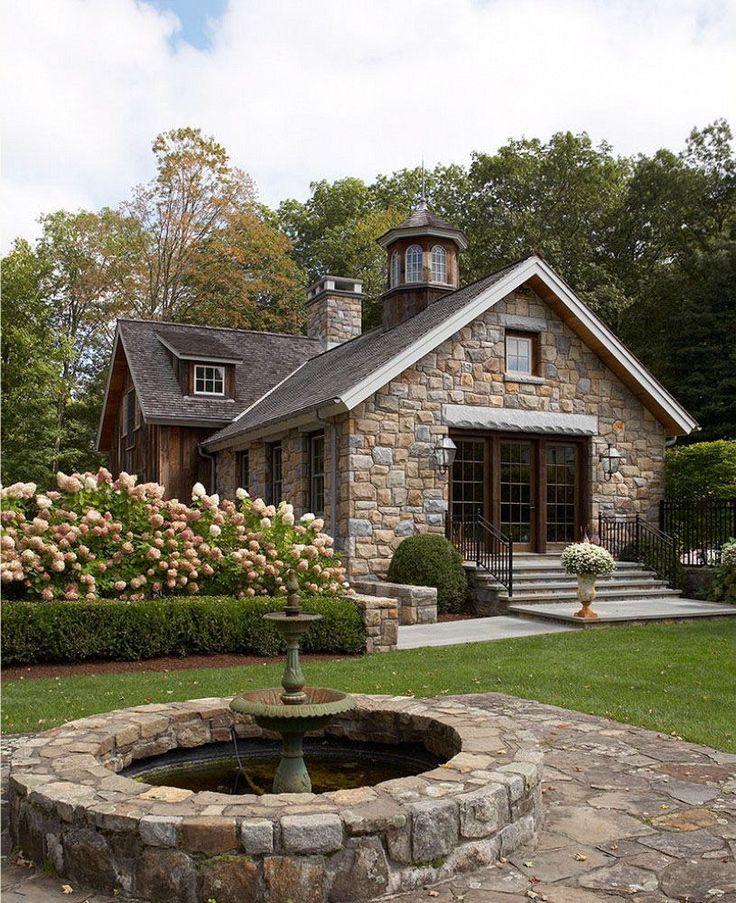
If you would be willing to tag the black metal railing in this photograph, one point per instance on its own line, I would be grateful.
(700, 526)
(633, 539)
(479, 541)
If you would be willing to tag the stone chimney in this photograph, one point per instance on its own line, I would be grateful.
(334, 310)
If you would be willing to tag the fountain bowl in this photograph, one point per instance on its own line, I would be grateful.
(320, 703)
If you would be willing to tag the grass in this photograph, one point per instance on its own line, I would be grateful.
(676, 678)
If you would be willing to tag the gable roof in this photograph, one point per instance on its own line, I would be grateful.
(346, 375)
(261, 360)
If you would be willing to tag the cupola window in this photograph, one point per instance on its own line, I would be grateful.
(439, 264)
(414, 263)
(395, 269)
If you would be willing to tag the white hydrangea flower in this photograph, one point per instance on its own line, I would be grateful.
(308, 517)
(198, 491)
(43, 501)
(242, 494)
(215, 530)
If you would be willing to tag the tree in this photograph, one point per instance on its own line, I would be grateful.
(243, 277)
(30, 370)
(196, 195)
(81, 257)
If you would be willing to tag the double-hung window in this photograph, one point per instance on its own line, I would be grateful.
(245, 470)
(395, 269)
(275, 474)
(316, 446)
(209, 379)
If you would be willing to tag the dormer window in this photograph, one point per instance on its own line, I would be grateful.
(414, 263)
(209, 380)
(439, 264)
(395, 269)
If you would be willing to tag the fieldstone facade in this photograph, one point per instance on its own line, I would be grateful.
(388, 486)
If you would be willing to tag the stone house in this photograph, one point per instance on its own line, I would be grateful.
(532, 389)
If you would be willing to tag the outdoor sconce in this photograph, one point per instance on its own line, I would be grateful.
(611, 460)
(443, 454)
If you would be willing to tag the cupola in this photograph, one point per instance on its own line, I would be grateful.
(423, 264)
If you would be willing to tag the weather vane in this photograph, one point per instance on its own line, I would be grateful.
(423, 195)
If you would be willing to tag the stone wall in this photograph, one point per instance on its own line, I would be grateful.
(417, 604)
(335, 318)
(394, 491)
(381, 620)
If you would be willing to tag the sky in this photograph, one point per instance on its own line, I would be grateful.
(299, 91)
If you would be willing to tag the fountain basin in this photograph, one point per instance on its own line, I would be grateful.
(71, 807)
(320, 702)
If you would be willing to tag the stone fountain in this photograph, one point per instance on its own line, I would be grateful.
(295, 709)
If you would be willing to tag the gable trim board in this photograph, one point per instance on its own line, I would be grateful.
(553, 290)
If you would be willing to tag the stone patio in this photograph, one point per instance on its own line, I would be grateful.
(629, 611)
(630, 814)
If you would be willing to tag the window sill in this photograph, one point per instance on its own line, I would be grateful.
(523, 378)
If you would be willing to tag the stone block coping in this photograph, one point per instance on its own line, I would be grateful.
(70, 807)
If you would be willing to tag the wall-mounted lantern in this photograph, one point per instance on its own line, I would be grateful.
(611, 459)
(443, 454)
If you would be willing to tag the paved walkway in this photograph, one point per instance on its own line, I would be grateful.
(630, 815)
(472, 630)
(628, 610)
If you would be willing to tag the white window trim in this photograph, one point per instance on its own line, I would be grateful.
(395, 270)
(434, 278)
(407, 271)
(530, 357)
(221, 371)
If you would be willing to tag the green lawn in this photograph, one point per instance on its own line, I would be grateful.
(678, 678)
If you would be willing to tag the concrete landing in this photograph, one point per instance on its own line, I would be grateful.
(475, 630)
(628, 611)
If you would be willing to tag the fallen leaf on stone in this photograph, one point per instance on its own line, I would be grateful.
(665, 806)
(532, 895)
(433, 893)
(579, 857)
(528, 864)
(67, 889)
(503, 859)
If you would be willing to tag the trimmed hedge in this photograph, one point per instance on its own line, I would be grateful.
(429, 559)
(34, 632)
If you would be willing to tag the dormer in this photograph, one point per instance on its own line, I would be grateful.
(423, 264)
(204, 366)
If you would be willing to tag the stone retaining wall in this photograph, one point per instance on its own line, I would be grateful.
(380, 619)
(417, 604)
(70, 809)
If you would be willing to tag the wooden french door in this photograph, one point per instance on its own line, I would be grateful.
(532, 488)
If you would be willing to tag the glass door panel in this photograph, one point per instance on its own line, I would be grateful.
(515, 485)
(562, 466)
(468, 479)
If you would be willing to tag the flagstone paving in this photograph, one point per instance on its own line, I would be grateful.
(629, 815)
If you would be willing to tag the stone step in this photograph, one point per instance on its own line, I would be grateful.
(548, 586)
(610, 594)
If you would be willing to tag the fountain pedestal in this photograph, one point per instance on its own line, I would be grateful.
(296, 709)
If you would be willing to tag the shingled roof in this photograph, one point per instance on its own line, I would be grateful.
(426, 222)
(262, 360)
(330, 375)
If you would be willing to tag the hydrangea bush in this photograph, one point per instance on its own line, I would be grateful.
(724, 584)
(587, 558)
(103, 537)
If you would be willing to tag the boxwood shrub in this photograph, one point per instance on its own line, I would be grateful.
(34, 632)
(431, 560)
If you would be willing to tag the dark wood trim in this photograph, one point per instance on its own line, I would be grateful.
(539, 442)
(522, 334)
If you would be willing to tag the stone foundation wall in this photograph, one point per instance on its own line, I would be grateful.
(394, 491)
(417, 604)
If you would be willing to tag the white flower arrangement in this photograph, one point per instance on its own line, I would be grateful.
(728, 553)
(587, 558)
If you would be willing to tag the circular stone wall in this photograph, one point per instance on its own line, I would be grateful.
(71, 809)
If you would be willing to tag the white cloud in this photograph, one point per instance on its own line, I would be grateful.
(300, 91)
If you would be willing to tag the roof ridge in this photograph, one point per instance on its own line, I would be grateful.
(286, 335)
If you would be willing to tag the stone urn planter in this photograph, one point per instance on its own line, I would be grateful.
(587, 561)
(586, 594)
